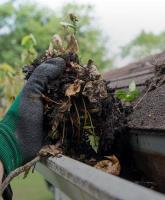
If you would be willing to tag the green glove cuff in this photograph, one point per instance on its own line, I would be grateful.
(10, 153)
(12, 116)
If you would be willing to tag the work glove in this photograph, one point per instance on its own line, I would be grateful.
(21, 130)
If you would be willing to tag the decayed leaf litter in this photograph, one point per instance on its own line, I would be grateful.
(110, 165)
(80, 111)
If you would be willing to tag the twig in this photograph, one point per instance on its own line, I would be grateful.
(85, 113)
(71, 120)
(49, 100)
(18, 171)
(140, 100)
(77, 112)
(90, 118)
(47, 150)
(78, 117)
(63, 131)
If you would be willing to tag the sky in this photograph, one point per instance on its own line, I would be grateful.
(121, 20)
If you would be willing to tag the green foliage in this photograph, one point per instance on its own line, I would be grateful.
(29, 52)
(92, 137)
(132, 86)
(67, 25)
(28, 41)
(90, 129)
(6, 71)
(25, 18)
(34, 186)
(130, 95)
(144, 44)
(6, 11)
(73, 23)
(11, 82)
(94, 142)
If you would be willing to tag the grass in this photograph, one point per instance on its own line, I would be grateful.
(33, 187)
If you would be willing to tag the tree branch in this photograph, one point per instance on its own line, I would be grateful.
(46, 151)
(18, 171)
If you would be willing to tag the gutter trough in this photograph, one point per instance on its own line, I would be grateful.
(148, 149)
(147, 144)
(74, 180)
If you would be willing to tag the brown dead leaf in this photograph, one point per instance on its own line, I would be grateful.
(81, 70)
(50, 50)
(74, 88)
(95, 90)
(94, 74)
(111, 165)
(58, 43)
(75, 65)
(50, 150)
(56, 120)
(73, 17)
(64, 106)
(72, 44)
(58, 114)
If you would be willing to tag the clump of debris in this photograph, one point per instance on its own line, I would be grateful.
(81, 113)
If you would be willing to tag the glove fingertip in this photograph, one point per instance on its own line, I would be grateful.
(58, 61)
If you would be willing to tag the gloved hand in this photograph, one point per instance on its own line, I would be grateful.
(21, 130)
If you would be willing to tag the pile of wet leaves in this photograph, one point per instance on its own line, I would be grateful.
(81, 113)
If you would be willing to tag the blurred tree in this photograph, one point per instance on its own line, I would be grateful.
(11, 82)
(144, 44)
(18, 20)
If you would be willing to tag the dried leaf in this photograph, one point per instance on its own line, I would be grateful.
(95, 90)
(50, 150)
(72, 44)
(81, 71)
(26, 172)
(50, 49)
(57, 115)
(73, 17)
(58, 43)
(75, 65)
(111, 165)
(65, 106)
(93, 71)
(74, 88)
(56, 120)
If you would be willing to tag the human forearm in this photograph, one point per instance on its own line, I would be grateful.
(1, 172)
